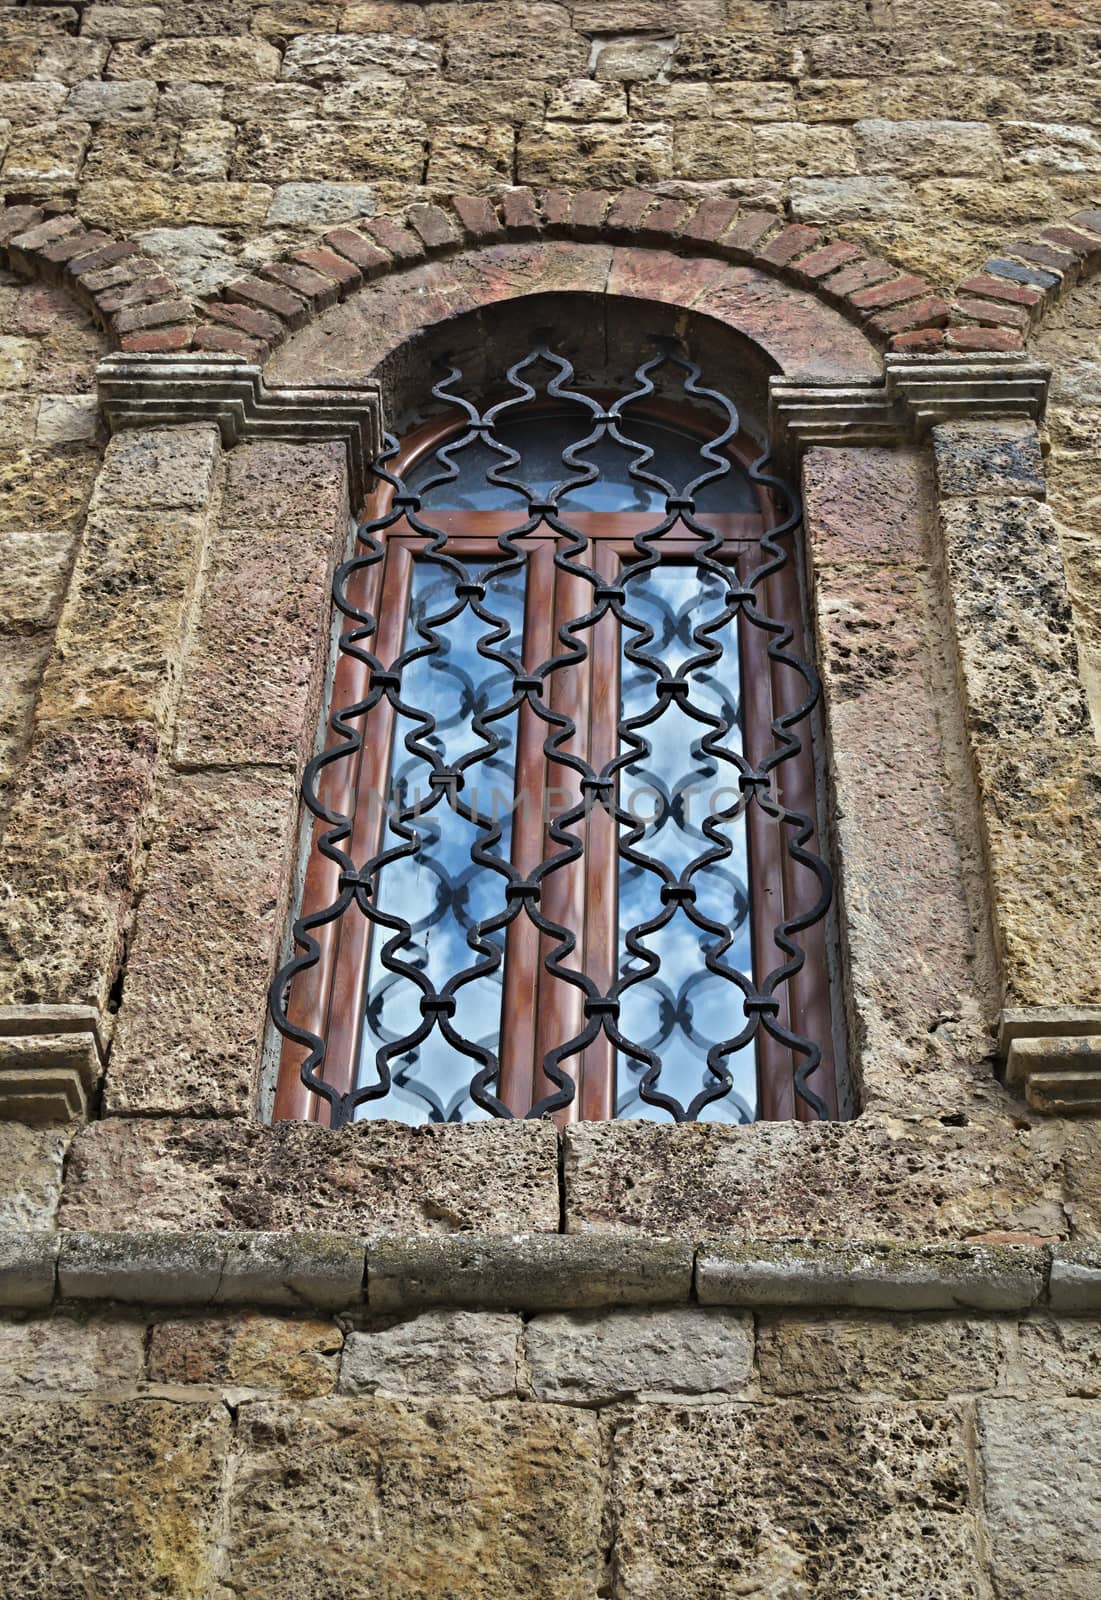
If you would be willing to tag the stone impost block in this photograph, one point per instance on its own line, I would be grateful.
(1058, 1075)
(51, 1059)
(469, 1353)
(376, 1178)
(1075, 1286)
(208, 1268)
(526, 1272)
(880, 1276)
(598, 1359)
(28, 1269)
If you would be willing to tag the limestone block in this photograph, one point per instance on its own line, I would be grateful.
(711, 150)
(18, 359)
(131, 206)
(982, 1277)
(798, 147)
(70, 1355)
(31, 1162)
(122, 1497)
(22, 659)
(467, 158)
(1014, 627)
(122, 22)
(915, 148)
(170, 468)
(632, 58)
(584, 100)
(625, 16)
(18, 414)
(45, 489)
(295, 1355)
(1042, 1468)
(529, 43)
(201, 60)
(913, 1357)
(34, 568)
(1076, 1278)
(496, 100)
(335, 151)
(855, 1180)
(321, 203)
(597, 155)
(28, 103)
(1051, 147)
(194, 1004)
(468, 1353)
(65, 59)
(789, 1499)
(502, 1501)
(733, 54)
(69, 873)
(529, 1272)
(66, 418)
(323, 57)
(597, 1359)
(988, 458)
(205, 149)
(1061, 1355)
(133, 101)
(199, 260)
(122, 628)
(45, 154)
(374, 1178)
(28, 1268)
(838, 200)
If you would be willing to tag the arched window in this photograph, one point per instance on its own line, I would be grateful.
(564, 858)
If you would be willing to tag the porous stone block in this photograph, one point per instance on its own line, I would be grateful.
(981, 1277)
(535, 1272)
(31, 1163)
(66, 1354)
(325, 57)
(247, 1351)
(870, 505)
(914, 1357)
(335, 151)
(595, 154)
(776, 1181)
(318, 204)
(597, 1359)
(210, 59)
(169, 468)
(1060, 1355)
(818, 1501)
(70, 872)
(44, 489)
(501, 1501)
(917, 148)
(464, 1353)
(988, 458)
(194, 1003)
(125, 1495)
(374, 1178)
(1042, 1497)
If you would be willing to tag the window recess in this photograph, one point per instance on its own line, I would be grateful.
(564, 847)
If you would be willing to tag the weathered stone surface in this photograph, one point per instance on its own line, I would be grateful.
(295, 1355)
(31, 1162)
(70, 874)
(469, 1353)
(914, 1357)
(916, 149)
(199, 60)
(996, 458)
(200, 260)
(536, 1272)
(1042, 1497)
(70, 1355)
(66, 418)
(272, 152)
(375, 1178)
(982, 1277)
(597, 154)
(170, 468)
(868, 505)
(28, 1268)
(819, 1501)
(1076, 1276)
(1059, 1356)
(121, 1499)
(595, 1360)
(44, 488)
(321, 203)
(322, 57)
(501, 1501)
(856, 1180)
(194, 1006)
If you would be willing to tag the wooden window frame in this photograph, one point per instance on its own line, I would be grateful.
(329, 998)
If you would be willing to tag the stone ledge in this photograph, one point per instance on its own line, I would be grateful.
(263, 1269)
(1053, 1055)
(526, 1272)
(1076, 1281)
(28, 1269)
(873, 1276)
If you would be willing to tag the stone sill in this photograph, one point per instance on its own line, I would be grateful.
(537, 1272)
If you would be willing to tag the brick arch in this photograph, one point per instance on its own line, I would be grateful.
(129, 294)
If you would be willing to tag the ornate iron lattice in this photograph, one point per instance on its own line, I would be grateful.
(444, 896)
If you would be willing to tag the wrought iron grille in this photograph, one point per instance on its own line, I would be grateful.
(541, 627)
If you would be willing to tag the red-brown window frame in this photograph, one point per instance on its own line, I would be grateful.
(328, 999)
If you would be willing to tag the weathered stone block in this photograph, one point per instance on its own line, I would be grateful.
(356, 153)
(68, 1354)
(1061, 1355)
(323, 57)
(916, 149)
(170, 468)
(914, 1357)
(211, 59)
(135, 1267)
(596, 154)
(93, 101)
(467, 1353)
(296, 1355)
(536, 1272)
(1042, 1468)
(66, 418)
(194, 1004)
(31, 1162)
(46, 489)
(818, 1501)
(125, 1495)
(28, 1267)
(502, 1501)
(598, 1359)
(374, 1178)
(868, 505)
(320, 203)
(856, 1180)
(1076, 1279)
(995, 458)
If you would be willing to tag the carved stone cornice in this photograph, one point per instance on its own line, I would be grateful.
(150, 391)
(1053, 1055)
(914, 394)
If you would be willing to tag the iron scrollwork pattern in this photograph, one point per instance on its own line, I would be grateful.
(455, 691)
